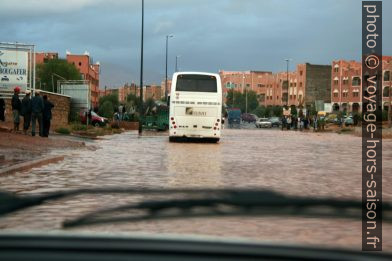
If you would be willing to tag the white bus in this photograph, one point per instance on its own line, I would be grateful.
(195, 106)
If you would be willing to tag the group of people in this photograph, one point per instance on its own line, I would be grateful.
(32, 109)
(301, 123)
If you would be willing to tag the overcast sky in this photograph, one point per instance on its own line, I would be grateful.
(209, 35)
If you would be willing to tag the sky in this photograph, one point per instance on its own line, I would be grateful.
(208, 35)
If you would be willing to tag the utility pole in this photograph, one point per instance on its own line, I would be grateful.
(177, 56)
(141, 75)
(244, 89)
(287, 78)
(167, 49)
(287, 75)
(390, 100)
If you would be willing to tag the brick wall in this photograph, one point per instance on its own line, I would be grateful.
(318, 83)
(60, 112)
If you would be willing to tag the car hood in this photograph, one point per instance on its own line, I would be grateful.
(184, 246)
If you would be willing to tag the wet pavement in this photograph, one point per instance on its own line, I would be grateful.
(296, 163)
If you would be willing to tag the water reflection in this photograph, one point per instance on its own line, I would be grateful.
(194, 164)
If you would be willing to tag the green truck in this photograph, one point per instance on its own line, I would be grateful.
(157, 120)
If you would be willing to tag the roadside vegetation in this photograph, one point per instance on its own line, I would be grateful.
(54, 70)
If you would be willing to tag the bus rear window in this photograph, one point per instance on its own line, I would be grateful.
(196, 83)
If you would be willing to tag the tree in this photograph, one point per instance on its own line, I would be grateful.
(133, 103)
(252, 100)
(268, 111)
(277, 111)
(293, 110)
(46, 72)
(106, 109)
(148, 106)
(112, 98)
(240, 100)
(260, 111)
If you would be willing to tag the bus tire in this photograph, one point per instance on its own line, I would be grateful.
(172, 139)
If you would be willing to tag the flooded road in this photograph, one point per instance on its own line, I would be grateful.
(296, 163)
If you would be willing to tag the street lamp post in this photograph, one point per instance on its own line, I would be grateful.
(243, 90)
(167, 48)
(287, 78)
(287, 75)
(141, 74)
(55, 74)
(390, 100)
(177, 56)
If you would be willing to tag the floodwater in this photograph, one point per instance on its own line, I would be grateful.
(295, 163)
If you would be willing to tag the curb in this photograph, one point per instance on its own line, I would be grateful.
(29, 165)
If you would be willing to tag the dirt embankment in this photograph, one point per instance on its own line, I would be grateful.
(34, 144)
(16, 149)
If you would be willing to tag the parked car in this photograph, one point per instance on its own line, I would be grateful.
(263, 123)
(349, 121)
(331, 118)
(275, 121)
(248, 117)
(94, 119)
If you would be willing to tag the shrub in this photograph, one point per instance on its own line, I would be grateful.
(114, 125)
(357, 117)
(384, 115)
(277, 111)
(74, 116)
(106, 109)
(260, 111)
(112, 98)
(63, 130)
(78, 127)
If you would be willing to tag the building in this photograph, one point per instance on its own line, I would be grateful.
(239, 81)
(387, 82)
(88, 71)
(346, 82)
(315, 82)
(346, 85)
(42, 57)
(83, 63)
(169, 82)
(301, 88)
(149, 91)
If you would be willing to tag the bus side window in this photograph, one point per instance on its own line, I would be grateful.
(168, 100)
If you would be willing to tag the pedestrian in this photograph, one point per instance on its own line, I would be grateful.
(283, 122)
(315, 122)
(47, 115)
(294, 120)
(37, 107)
(2, 109)
(16, 107)
(116, 118)
(26, 111)
(288, 122)
(120, 111)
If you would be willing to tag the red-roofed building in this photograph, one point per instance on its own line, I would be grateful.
(88, 71)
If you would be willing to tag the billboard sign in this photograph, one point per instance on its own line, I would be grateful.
(79, 93)
(13, 69)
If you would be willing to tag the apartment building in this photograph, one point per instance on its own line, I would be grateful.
(83, 63)
(346, 82)
(309, 83)
(88, 71)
